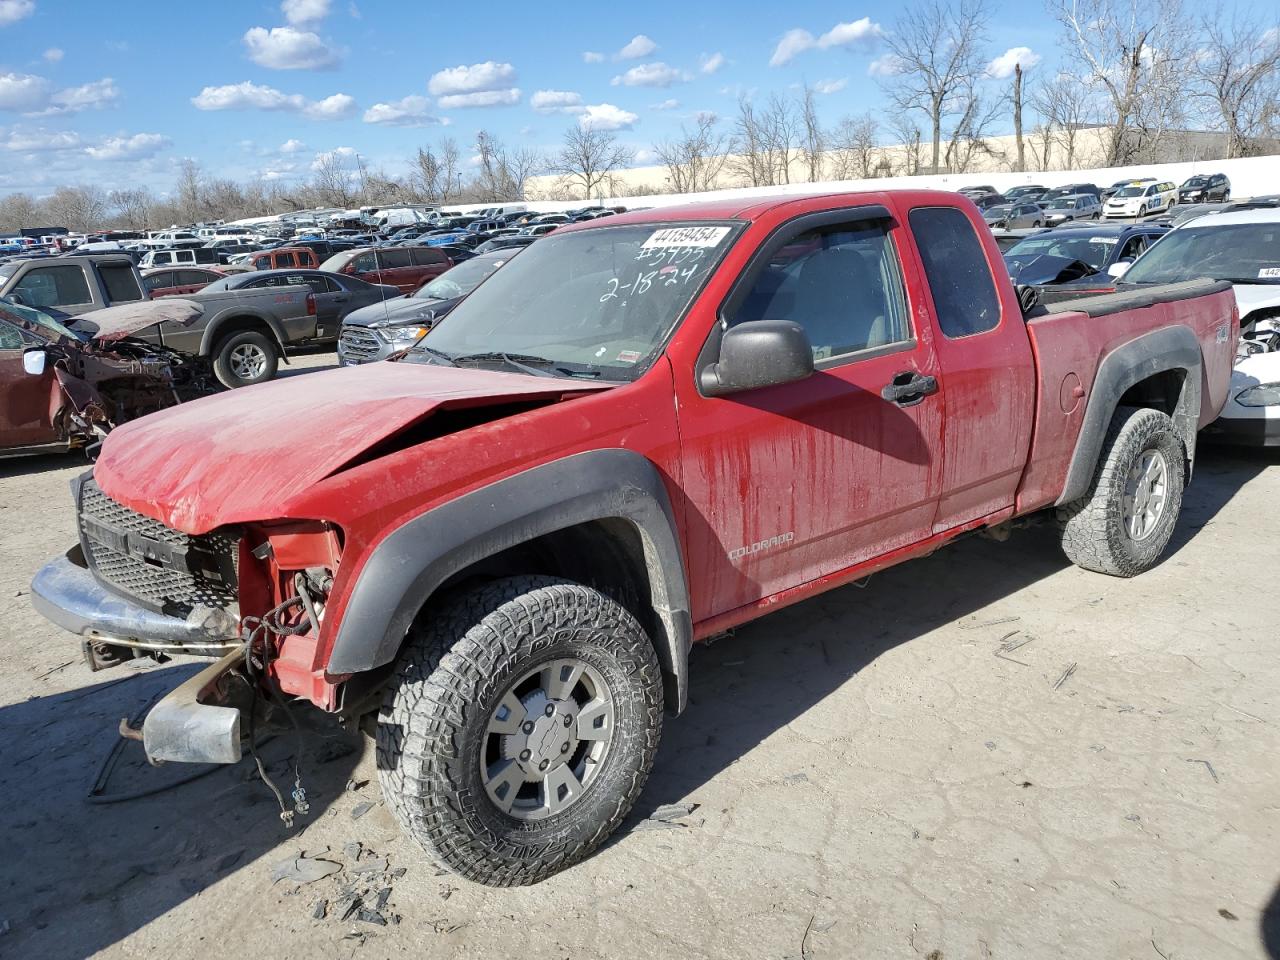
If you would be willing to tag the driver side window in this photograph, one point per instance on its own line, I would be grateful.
(841, 283)
(10, 338)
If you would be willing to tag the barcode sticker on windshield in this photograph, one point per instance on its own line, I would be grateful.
(685, 237)
(1269, 273)
(1102, 239)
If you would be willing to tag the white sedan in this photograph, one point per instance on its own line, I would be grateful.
(1252, 414)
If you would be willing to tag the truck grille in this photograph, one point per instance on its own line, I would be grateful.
(163, 569)
(359, 344)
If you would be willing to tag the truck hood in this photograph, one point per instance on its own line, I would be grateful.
(239, 456)
(1045, 269)
(1255, 296)
(126, 319)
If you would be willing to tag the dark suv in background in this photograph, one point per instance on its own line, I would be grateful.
(1205, 188)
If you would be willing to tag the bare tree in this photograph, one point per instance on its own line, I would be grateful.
(131, 207)
(82, 207)
(938, 46)
(18, 210)
(588, 158)
(968, 138)
(909, 136)
(1017, 118)
(764, 143)
(813, 139)
(853, 153)
(1236, 74)
(696, 158)
(503, 171)
(1063, 104)
(333, 179)
(1137, 54)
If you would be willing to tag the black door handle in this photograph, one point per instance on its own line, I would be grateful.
(909, 388)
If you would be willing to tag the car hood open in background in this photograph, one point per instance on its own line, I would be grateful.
(1042, 269)
(238, 457)
(126, 319)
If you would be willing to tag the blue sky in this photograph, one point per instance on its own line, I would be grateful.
(118, 93)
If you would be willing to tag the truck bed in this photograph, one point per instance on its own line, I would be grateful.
(1069, 340)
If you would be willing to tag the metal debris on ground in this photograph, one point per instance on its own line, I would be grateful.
(376, 865)
(303, 870)
(1226, 914)
(369, 916)
(988, 623)
(1208, 766)
(354, 785)
(1065, 674)
(353, 850)
(796, 778)
(320, 910)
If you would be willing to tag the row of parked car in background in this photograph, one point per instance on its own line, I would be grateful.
(377, 295)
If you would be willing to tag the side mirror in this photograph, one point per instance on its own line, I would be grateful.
(761, 353)
(19, 299)
(1117, 269)
(33, 360)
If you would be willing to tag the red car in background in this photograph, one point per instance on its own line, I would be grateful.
(404, 267)
(285, 258)
(170, 282)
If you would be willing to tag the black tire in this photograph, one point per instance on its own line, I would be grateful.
(1036, 224)
(225, 358)
(1092, 529)
(1226, 195)
(452, 677)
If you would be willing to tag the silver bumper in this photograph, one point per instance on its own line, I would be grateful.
(191, 724)
(68, 594)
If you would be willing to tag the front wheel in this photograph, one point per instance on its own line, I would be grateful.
(245, 358)
(1124, 521)
(520, 728)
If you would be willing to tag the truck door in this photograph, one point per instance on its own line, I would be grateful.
(987, 371)
(789, 483)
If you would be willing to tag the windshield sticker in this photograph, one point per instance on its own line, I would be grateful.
(629, 356)
(1102, 239)
(686, 237)
(1269, 273)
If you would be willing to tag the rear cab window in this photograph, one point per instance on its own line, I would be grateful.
(965, 300)
(120, 281)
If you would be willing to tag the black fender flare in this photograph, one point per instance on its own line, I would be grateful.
(213, 331)
(411, 562)
(1160, 351)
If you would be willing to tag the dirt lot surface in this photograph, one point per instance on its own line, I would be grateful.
(986, 753)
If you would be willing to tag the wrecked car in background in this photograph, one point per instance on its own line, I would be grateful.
(61, 389)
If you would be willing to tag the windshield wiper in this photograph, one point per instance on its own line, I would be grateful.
(1258, 280)
(520, 361)
(438, 354)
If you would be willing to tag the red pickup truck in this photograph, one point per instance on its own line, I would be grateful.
(497, 549)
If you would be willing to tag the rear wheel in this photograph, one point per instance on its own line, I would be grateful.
(245, 358)
(520, 728)
(1123, 523)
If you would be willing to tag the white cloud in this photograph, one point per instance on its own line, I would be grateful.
(286, 48)
(556, 101)
(887, 65)
(11, 11)
(299, 12)
(639, 46)
(87, 96)
(672, 104)
(590, 56)
(23, 91)
(53, 54)
(605, 116)
(862, 32)
(644, 156)
(1001, 68)
(337, 153)
(253, 96)
(830, 86)
(411, 111)
(41, 141)
(129, 148)
(710, 63)
(486, 98)
(292, 146)
(657, 74)
(476, 78)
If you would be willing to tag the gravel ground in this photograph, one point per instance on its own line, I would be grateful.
(985, 753)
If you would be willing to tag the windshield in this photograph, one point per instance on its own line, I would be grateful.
(1092, 250)
(1132, 192)
(1067, 203)
(459, 280)
(597, 302)
(19, 313)
(1241, 252)
(1196, 182)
